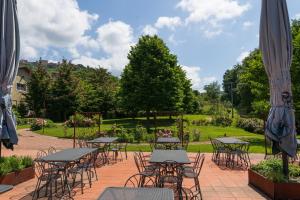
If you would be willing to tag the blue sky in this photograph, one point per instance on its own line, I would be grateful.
(208, 37)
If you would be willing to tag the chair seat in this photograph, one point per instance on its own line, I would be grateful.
(189, 174)
(169, 179)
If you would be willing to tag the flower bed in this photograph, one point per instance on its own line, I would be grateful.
(267, 177)
(15, 170)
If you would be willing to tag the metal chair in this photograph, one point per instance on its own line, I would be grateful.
(140, 180)
(195, 173)
(46, 174)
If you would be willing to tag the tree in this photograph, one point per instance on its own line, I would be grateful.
(230, 80)
(152, 81)
(38, 89)
(97, 90)
(63, 101)
(213, 92)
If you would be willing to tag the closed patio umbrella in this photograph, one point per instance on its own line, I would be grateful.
(9, 61)
(276, 47)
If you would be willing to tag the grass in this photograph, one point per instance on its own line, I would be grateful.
(256, 140)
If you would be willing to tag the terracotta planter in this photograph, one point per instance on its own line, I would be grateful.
(15, 178)
(276, 191)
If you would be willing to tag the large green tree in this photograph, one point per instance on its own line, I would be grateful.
(153, 80)
(38, 89)
(63, 101)
(97, 90)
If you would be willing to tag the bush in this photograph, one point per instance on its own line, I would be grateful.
(196, 135)
(222, 121)
(14, 163)
(37, 124)
(272, 170)
(80, 120)
(253, 125)
(201, 122)
(139, 133)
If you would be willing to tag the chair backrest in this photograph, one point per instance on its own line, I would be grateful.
(200, 164)
(197, 159)
(51, 150)
(137, 162)
(139, 180)
(39, 165)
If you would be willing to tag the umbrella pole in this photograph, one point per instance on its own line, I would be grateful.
(285, 164)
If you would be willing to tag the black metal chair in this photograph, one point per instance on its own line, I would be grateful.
(87, 165)
(46, 175)
(194, 173)
(140, 180)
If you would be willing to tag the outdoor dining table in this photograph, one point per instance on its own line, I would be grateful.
(161, 156)
(103, 140)
(232, 146)
(168, 142)
(123, 193)
(107, 141)
(68, 157)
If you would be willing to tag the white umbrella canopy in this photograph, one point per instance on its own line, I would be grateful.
(276, 47)
(9, 61)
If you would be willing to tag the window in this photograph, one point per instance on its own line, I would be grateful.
(21, 87)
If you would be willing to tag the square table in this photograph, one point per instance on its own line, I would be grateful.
(231, 140)
(68, 155)
(160, 156)
(168, 140)
(105, 140)
(123, 193)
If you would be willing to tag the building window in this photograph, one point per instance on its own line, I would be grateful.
(21, 87)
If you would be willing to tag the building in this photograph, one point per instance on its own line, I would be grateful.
(19, 88)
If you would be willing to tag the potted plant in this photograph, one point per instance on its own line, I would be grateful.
(267, 176)
(15, 170)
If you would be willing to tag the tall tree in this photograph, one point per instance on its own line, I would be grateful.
(152, 81)
(213, 91)
(63, 100)
(38, 89)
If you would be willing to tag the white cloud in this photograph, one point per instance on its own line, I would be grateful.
(212, 10)
(198, 82)
(168, 22)
(242, 56)
(297, 16)
(149, 30)
(211, 14)
(51, 23)
(247, 24)
(210, 33)
(115, 39)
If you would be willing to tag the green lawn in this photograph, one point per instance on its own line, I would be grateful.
(256, 140)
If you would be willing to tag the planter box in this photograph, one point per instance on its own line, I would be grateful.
(15, 178)
(276, 191)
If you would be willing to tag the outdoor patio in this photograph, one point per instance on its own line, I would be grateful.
(216, 182)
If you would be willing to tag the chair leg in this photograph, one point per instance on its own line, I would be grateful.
(37, 187)
(81, 179)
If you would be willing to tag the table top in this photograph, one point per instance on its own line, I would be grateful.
(5, 188)
(179, 156)
(68, 155)
(103, 140)
(123, 193)
(231, 140)
(168, 140)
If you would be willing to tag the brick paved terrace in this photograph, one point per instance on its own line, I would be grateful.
(216, 183)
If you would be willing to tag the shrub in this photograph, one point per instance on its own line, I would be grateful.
(37, 124)
(196, 135)
(272, 170)
(253, 125)
(27, 161)
(139, 132)
(14, 163)
(80, 120)
(201, 122)
(222, 121)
